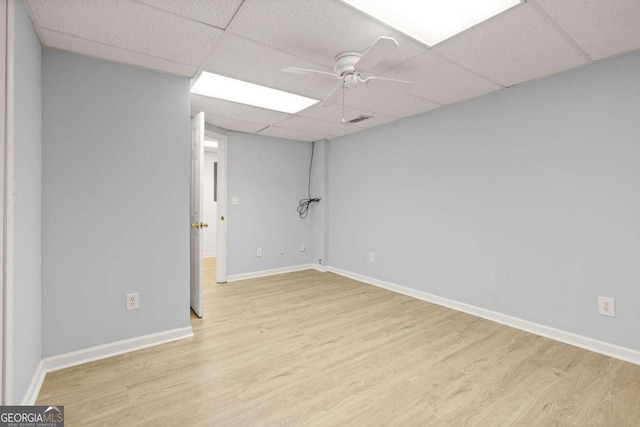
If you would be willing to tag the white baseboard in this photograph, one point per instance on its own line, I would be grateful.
(103, 351)
(320, 268)
(265, 273)
(67, 360)
(91, 354)
(612, 350)
(32, 392)
(212, 255)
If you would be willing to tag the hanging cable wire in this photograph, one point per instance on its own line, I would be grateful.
(303, 206)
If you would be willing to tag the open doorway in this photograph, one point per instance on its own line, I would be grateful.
(210, 208)
(220, 196)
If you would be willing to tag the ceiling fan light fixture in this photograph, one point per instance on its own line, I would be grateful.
(432, 21)
(221, 87)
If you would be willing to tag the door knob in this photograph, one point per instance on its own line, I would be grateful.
(196, 225)
(204, 225)
(222, 218)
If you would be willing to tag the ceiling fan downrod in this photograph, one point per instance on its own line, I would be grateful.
(344, 84)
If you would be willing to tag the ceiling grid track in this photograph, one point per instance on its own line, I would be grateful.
(253, 40)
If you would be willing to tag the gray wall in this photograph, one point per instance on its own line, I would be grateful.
(270, 176)
(27, 321)
(115, 201)
(525, 201)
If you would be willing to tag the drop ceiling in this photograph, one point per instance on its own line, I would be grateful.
(252, 40)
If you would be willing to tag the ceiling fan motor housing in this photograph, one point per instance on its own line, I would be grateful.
(349, 65)
(346, 63)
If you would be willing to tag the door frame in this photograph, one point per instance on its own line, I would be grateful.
(8, 199)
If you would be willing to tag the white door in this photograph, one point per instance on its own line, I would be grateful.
(197, 243)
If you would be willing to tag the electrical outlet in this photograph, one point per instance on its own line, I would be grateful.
(302, 248)
(282, 251)
(372, 257)
(320, 261)
(607, 306)
(259, 252)
(133, 303)
(235, 201)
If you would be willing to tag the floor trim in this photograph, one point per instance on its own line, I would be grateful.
(67, 360)
(612, 350)
(265, 273)
(320, 268)
(31, 395)
(103, 351)
(74, 358)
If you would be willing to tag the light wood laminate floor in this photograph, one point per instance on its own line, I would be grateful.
(312, 348)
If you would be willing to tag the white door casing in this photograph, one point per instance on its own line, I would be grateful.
(197, 246)
(221, 224)
(8, 197)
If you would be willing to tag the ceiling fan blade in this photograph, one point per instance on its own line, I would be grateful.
(387, 83)
(376, 53)
(296, 70)
(333, 97)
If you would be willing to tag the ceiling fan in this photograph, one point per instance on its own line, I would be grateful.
(351, 66)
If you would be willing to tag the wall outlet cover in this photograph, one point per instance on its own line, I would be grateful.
(133, 301)
(607, 306)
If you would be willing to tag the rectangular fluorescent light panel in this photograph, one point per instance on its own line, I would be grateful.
(216, 86)
(432, 21)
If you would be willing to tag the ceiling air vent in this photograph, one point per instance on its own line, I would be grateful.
(359, 119)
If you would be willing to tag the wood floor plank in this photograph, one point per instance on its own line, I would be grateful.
(317, 349)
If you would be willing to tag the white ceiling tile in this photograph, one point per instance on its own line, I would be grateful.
(600, 28)
(253, 62)
(129, 25)
(263, 36)
(98, 50)
(515, 46)
(333, 114)
(440, 80)
(396, 104)
(292, 134)
(233, 110)
(233, 124)
(213, 12)
(318, 126)
(316, 30)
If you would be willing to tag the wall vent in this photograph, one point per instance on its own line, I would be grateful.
(359, 119)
